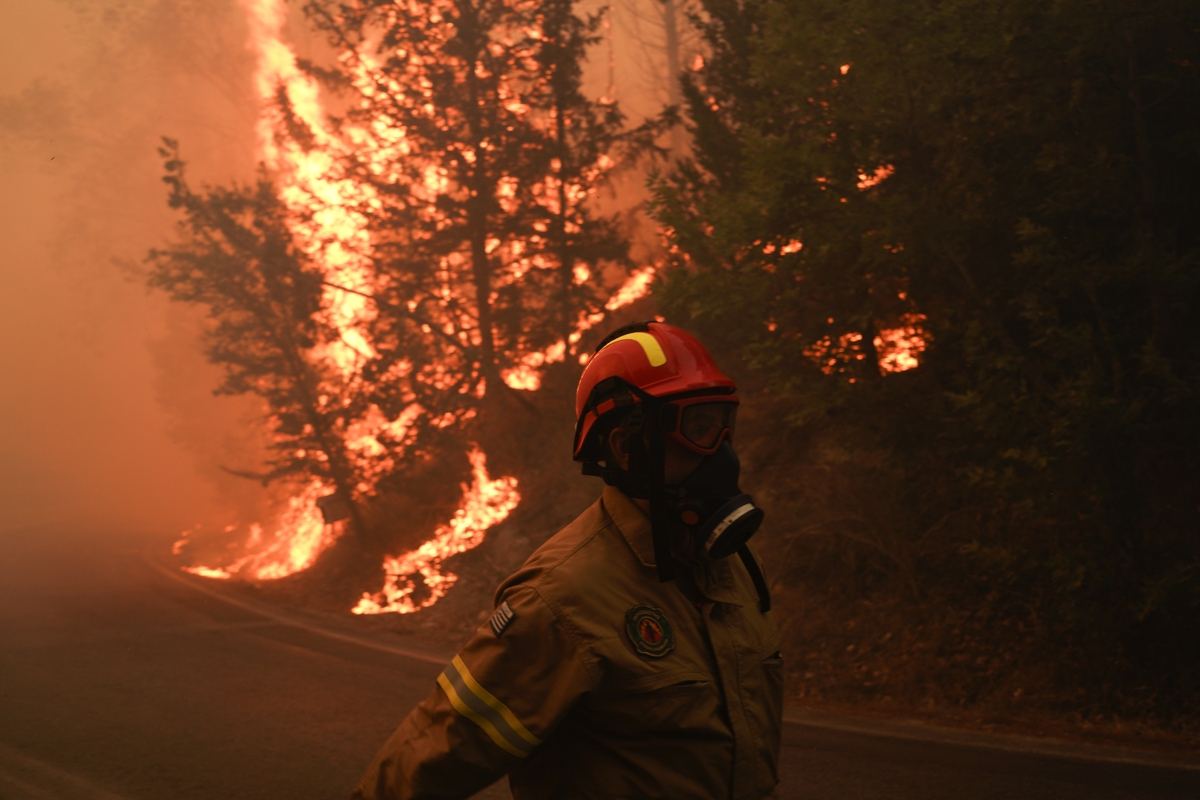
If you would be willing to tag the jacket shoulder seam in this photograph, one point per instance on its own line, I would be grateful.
(572, 633)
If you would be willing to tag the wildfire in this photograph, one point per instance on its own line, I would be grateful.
(335, 235)
(304, 154)
(526, 375)
(485, 503)
(326, 224)
(634, 288)
(897, 348)
(302, 535)
(881, 174)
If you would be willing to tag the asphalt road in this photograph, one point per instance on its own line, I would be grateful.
(117, 682)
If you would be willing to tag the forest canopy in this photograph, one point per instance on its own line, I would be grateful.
(1014, 185)
(948, 248)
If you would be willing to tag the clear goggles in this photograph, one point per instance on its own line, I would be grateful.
(701, 424)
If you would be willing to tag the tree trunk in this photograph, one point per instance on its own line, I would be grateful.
(674, 87)
(566, 260)
(481, 188)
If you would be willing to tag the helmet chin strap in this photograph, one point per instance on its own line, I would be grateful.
(660, 512)
(646, 480)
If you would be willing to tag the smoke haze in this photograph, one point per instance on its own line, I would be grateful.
(107, 414)
(86, 90)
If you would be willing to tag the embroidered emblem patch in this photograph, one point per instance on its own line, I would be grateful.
(649, 632)
(501, 617)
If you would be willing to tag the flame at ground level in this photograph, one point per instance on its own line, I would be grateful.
(485, 503)
(302, 535)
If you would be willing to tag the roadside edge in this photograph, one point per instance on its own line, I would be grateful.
(793, 715)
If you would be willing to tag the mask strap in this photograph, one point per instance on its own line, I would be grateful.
(756, 577)
(645, 477)
(648, 467)
(660, 512)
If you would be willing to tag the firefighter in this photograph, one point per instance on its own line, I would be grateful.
(634, 654)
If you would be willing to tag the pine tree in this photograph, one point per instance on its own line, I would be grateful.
(1021, 174)
(236, 255)
(484, 157)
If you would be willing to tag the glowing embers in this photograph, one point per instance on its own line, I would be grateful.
(527, 376)
(881, 174)
(485, 503)
(301, 536)
(836, 357)
(897, 349)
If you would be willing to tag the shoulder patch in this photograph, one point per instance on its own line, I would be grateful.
(649, 631)
(501, 617)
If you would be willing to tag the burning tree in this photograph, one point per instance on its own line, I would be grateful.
(238, 257)
(443, 233)
(483, 155)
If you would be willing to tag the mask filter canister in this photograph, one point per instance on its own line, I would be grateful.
(728, 529)
(710, 502)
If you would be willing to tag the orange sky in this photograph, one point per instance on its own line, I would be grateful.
(85, 91)
(106, 412)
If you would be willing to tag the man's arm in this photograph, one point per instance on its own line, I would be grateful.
(492, 707)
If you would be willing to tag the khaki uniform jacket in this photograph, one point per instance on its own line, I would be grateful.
(595, 680)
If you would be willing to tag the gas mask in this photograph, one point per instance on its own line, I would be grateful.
(663, 388)
(711, 505)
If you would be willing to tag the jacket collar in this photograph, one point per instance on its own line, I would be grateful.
(714, 579)
(631, 521)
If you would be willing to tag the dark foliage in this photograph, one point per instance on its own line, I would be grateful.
(1027, 497)
(237, 257)
(482, 211)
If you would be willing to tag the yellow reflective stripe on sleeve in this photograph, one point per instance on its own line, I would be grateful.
(483, 723)
(654, 351)
(481, 707)
(486, 696)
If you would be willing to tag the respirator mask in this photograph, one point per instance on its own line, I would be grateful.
(662, 388)
(708, 503)
(714, 509)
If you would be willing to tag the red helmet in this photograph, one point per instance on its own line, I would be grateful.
(662, 362)
(673, 390)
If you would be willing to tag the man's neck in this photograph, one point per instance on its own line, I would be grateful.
(688, 546)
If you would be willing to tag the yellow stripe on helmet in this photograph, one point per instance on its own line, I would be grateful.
(654, 351)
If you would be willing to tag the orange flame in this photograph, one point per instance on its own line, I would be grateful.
(335, 235)
(301, 537)
(881, 173)
(485, 503)
(636, 286)
(331, 230)
(526, 375)
(898, 348)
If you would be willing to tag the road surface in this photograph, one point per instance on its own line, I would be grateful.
(117, 682)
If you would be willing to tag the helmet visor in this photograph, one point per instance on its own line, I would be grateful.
(703, 425)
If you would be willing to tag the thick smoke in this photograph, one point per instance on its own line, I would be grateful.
(108, 416)
(107, 413)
